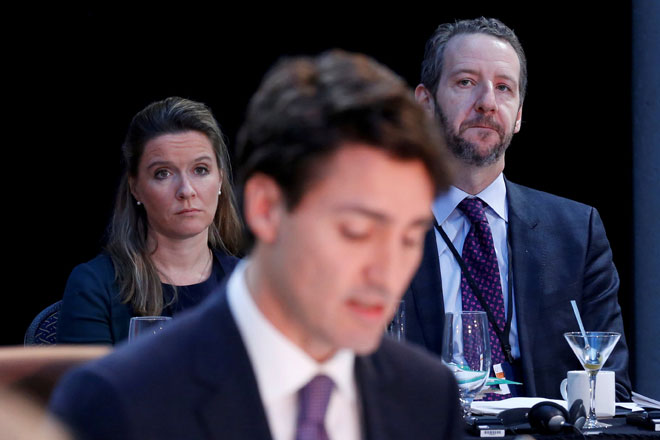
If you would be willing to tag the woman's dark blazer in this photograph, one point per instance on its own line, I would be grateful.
(92, 311)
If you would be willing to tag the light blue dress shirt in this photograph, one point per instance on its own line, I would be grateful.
(456, 225)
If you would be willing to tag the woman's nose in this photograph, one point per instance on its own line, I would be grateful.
(185, 189)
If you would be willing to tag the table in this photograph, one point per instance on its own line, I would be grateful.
(618, 430)
(36, 369)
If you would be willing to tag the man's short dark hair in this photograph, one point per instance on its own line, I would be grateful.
(308, 107)
(435, 48)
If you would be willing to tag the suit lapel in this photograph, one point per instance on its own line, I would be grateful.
(231, 407)
(380, 412)
(529, 257)
(426, 289)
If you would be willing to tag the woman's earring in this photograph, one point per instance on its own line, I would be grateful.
(138, 202)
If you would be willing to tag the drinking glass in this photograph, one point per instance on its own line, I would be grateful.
(592, 349)
(466, 351)
(396, 329)
(141, 325)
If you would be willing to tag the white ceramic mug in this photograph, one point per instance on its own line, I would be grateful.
(576, 386)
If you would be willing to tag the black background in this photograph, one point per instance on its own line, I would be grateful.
(76, 78)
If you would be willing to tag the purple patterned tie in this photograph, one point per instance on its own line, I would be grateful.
(481, 260)
(313, 401)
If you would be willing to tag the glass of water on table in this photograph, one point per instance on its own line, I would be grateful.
(141, 325)
(466, 351)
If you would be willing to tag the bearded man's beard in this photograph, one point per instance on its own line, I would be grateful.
(467, 151)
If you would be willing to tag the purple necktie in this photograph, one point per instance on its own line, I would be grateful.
(313, 401)
(481, 261)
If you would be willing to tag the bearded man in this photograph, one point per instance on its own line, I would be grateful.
(520, 255)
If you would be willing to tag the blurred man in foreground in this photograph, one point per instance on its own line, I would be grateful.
(338, 166)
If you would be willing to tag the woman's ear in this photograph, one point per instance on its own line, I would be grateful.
(131, 188)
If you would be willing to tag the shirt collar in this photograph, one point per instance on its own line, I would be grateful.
(494, 195)
(281, 367)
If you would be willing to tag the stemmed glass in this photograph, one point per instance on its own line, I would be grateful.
(396, 329)
(592, 349)
(466, 351)
(141, 325)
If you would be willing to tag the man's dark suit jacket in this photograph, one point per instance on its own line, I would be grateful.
(559, 253)
(194, 380)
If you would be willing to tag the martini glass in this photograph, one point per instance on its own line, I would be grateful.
(592, 349)
(466, 351)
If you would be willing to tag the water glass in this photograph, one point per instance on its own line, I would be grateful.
(142, 325)
(397, 327)
(466, 352)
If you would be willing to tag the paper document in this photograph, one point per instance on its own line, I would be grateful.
(494, 408)
(644, 401)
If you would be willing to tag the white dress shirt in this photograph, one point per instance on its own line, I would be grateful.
(282, 369)
(456, 225)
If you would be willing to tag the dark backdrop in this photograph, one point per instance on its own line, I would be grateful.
(77, 77)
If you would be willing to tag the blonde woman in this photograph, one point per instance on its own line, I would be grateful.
(174, 232)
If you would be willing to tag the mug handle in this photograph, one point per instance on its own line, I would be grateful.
(562, 389)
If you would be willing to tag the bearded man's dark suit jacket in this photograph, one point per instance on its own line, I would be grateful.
(559, 253)
(194, 380)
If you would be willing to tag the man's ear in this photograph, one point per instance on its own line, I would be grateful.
(425, 99)
(516, 126)
(263, 206)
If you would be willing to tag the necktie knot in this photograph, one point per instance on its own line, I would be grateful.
(473, 208)
(313, 400)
